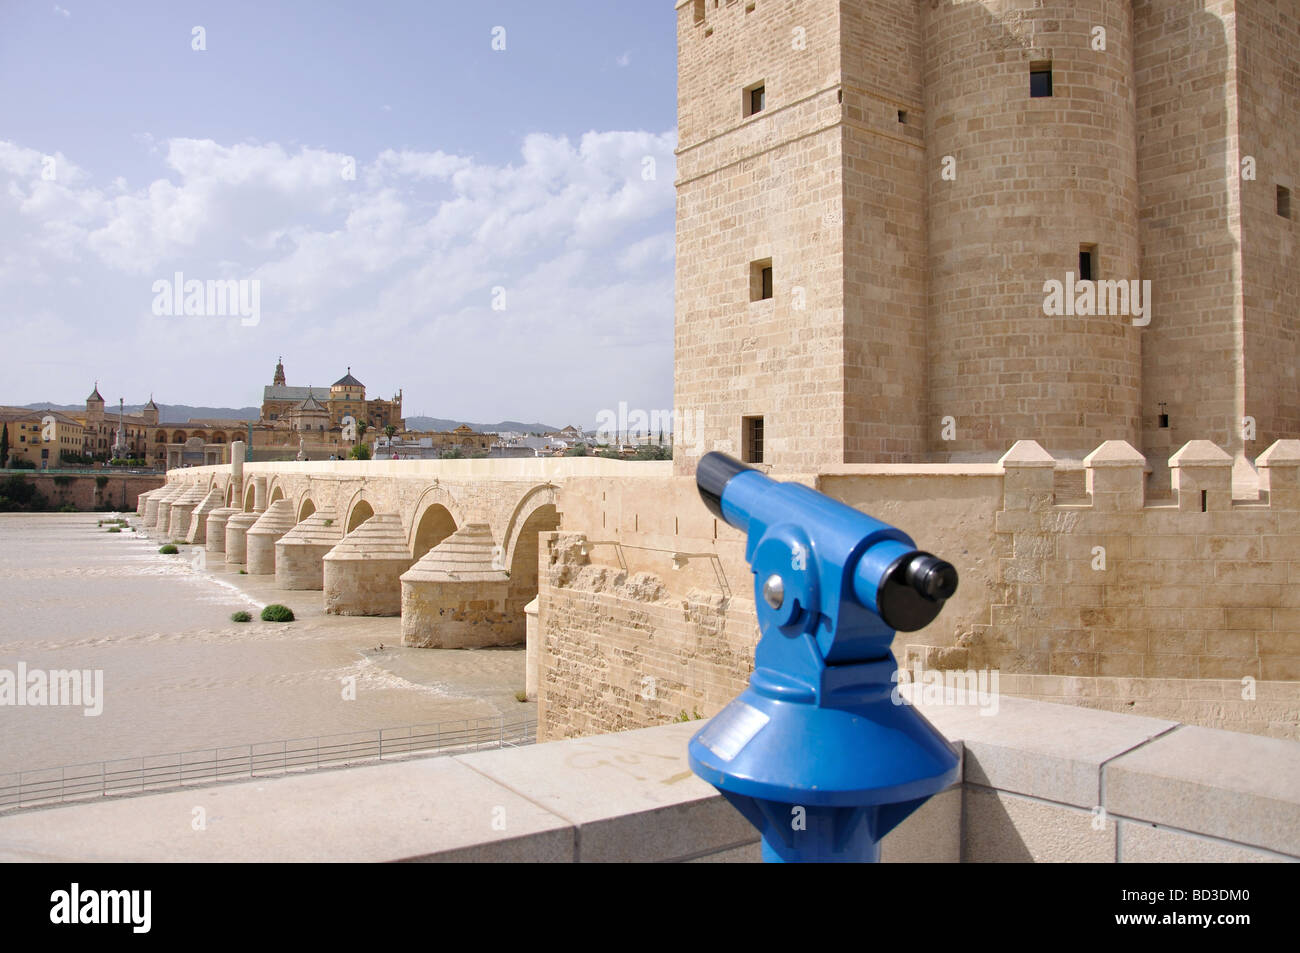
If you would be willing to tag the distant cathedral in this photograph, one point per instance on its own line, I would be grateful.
(323, 409)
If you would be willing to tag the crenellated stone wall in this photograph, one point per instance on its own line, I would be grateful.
(1106, 600)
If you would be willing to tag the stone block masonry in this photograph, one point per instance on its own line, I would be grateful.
(83, 492)
(1105, 601)
(913, 175)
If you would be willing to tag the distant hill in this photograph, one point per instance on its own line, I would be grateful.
(167, 413)
(441, 423)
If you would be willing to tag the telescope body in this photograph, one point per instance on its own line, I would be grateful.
(815, 752)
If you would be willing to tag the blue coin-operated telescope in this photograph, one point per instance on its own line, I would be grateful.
(816, 753)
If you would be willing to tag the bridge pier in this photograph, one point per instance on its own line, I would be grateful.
(216, 531)
(455, 596)
(142, 500)
(198, 532)
(162, 508)
(237, 528)
(178, 522)
(300, 553)
(362, 574)
(262, 536)
(532, 651)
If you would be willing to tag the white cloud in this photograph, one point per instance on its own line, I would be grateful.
(397, 262)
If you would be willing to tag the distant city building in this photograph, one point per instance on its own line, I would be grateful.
(39, 436)
(345, 398)
(433, 445)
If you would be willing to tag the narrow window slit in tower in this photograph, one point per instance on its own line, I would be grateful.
(760, 280)
(1087, 262)
(1203, 492)
(753, 439)
(1284, 201)
(1040, 79)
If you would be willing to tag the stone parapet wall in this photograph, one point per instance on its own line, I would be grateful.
(1039, 782)
(1175, 596)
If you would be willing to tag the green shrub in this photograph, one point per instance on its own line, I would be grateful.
(240, 616)
(115, 529)
(277, 613)
(101, 481)
(168, 550)
(521, 696)
(243, 572)
(67, 508)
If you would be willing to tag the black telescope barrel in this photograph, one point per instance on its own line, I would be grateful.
(712, 475)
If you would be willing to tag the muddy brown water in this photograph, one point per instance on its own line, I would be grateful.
(178, 675)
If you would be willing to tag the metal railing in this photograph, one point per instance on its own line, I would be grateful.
(46, 786)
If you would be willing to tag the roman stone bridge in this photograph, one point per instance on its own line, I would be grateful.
(449, 545)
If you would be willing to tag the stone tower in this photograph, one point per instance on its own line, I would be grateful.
(94, 406)
(278, 379)
(874, 196)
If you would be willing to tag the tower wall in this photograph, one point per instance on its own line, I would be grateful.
(884, 232)
(1268, 89)
(1033, 179)
(1190, 193)
(751, 188)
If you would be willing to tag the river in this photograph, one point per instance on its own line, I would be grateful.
(178, 675)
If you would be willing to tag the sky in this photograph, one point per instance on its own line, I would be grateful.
(470, 201)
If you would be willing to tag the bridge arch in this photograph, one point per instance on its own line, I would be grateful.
(250, 497)
(436, 516)
(533, 501)
(306, 506)
(356, 512)
(535, 513)
(276, 491)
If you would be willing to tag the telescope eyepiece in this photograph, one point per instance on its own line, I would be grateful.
(914, 590)
(933, 578)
